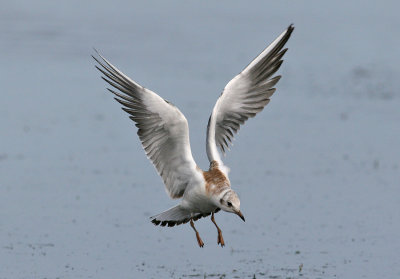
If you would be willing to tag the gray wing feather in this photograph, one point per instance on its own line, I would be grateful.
(244, 96)
(162, 129)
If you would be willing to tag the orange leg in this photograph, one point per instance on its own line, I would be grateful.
(199, 241)
(220, 238)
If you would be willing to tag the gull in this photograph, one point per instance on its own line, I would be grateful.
(164, 133)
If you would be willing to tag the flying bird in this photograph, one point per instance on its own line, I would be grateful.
(164, 133)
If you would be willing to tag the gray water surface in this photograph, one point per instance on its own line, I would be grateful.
(317, 171)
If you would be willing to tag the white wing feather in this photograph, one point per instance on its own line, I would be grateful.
(163, 129)
(244, 96)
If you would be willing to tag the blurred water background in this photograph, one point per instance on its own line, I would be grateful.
(317, 171)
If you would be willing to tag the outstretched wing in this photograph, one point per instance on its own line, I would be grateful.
(244, 96)
(163, 129)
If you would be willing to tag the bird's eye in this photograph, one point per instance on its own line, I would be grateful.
(229, 204)
(221, 201)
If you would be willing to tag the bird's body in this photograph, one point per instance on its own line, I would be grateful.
(204, 196)
(201, 197)
(164, 133)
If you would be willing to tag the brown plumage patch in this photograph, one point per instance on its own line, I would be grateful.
(216, 181)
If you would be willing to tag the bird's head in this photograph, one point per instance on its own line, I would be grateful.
(229, 201)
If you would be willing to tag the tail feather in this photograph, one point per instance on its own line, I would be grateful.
(176, 215)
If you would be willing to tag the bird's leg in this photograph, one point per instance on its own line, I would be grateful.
(199, 241)
(220, 238)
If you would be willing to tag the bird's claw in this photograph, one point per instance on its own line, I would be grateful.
(221, 240)
(199, 241)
